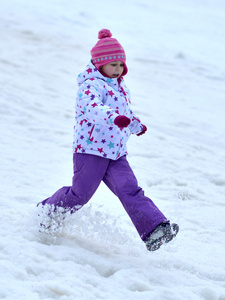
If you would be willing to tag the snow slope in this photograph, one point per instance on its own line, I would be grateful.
(176, 50)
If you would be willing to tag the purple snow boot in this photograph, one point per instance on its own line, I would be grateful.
(163, 233)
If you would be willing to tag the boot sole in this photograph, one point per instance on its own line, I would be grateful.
(168, 234)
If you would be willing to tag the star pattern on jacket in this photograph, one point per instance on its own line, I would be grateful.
(111, 93)
(111, 145)
(87, 92)
(89, 70)
(94, 104)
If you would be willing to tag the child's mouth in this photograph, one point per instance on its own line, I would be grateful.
(115, 75)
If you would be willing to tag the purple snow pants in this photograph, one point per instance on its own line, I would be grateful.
(89, 171)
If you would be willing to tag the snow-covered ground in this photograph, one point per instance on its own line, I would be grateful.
(176, 51)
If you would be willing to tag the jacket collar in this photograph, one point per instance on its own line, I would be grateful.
(92, 72)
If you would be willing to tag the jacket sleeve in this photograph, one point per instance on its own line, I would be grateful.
(135, 125)
(90, 105)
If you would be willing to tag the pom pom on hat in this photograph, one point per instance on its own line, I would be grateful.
(107, 50)
(104, 33)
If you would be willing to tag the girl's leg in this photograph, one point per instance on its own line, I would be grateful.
(143, 212)
(89, 170)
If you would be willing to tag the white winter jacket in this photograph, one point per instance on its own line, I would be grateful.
(99, 101)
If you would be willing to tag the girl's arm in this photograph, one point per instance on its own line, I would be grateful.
(91, 107)
(136, 127)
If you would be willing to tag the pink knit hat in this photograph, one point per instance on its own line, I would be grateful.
(107, 50)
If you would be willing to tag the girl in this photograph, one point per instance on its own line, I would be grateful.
(103, 124)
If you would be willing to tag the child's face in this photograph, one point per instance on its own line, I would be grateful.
(113, 69)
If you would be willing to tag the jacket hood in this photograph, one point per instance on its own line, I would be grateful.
(92, 72)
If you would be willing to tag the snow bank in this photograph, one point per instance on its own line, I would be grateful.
(176, 70)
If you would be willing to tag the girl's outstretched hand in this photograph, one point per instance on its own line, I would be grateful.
(143, 131)
(122, 121)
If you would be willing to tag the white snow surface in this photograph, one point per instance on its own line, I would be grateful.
(176, 64)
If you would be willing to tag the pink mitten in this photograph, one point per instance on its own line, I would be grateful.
(122, 121)
(143, 130)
